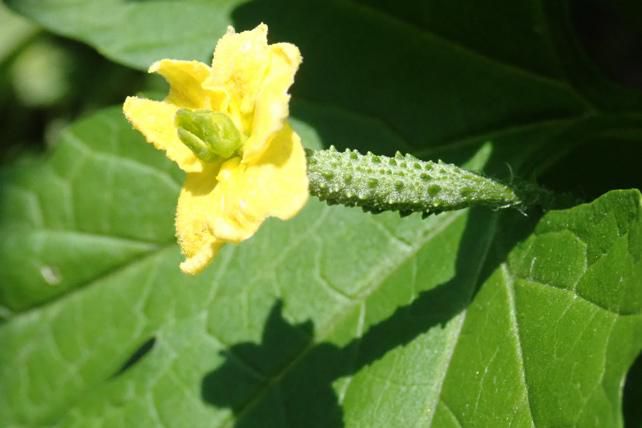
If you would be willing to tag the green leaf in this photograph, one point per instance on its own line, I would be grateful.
(334, 316)
(337, 317)
(426, 77)
(431, 90)
(14, 31)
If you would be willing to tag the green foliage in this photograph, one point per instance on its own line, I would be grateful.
(47, 81)
(468, 318)
(13, 32)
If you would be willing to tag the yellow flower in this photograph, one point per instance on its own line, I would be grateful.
(226, 127)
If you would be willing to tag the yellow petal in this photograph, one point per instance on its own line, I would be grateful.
(155, 120)
(185, 79)
(239, 65)
(193, 217)
(246, 194)
(271, 108)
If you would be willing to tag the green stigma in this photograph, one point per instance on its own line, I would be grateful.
(209, 135)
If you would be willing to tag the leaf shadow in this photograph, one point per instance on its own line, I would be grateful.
(329, 91)
(287, 379)
(301, 391)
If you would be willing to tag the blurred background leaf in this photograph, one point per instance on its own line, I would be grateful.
(14, 31)
(337, 318)
(47, 81)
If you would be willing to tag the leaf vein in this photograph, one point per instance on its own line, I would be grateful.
(458, 47)
(32, 311)
(377, 279)
(514, 327)
(457, 330)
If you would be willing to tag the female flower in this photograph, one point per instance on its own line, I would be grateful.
(226, 127)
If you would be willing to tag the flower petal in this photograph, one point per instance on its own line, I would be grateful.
(193, 217)
(238, 67)
(246, 194)
(185, 79)
(271, 108)
(155, 120)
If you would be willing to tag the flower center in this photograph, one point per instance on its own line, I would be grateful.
(209, 135)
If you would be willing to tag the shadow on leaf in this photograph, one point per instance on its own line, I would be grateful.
(302, 391)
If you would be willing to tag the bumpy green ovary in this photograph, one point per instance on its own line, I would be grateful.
(401, 183)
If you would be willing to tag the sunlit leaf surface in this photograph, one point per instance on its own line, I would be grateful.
(337, 318)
